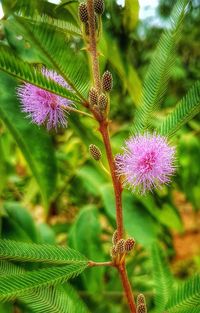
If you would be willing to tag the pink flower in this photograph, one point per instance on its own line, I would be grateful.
(147, 162)
(43, 106)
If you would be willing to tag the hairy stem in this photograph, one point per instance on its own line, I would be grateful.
(116, 183)
(127, 287)
(93, 46)
(70, 109)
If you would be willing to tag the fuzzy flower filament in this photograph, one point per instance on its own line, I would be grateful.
(147, 162)
(42, 106)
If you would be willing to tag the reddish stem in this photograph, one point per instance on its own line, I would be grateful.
(119, 213)
(116, 183)
(127, 287)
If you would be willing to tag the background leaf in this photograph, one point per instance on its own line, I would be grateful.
(139, 223)
(19, 220)
(131, 14)
(158, 74)
(186, 297)
(88, 242)
(185, 110)
(162, 277)
(34, 142)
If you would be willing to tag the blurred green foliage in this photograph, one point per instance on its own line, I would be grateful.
(52, 176)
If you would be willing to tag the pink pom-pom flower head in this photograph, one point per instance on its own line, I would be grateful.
(42, 106)
(147, 162)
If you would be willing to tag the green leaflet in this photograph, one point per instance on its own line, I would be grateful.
(62, 57)
(30, 252)
(185, 110)
(54, 299)
(12, 286)
(7, 268)
(65, 27)
(158, 74)
(35, 143)
(28, 73)
(162, 277)
(186, 297)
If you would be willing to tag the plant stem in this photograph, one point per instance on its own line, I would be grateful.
(116, 183)
(68, 108)
(92, 263)
(104, 169)
(93, 45)
(104, 130)
(127, 287)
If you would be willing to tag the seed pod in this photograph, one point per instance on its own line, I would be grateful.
(93, 96)
(83, 13)
(141, 299)
(107, 81)
(115, 237)
(99, 6)
(102, 102)
(120, 246)
(129, 244)
(141, 308)
(95, 152)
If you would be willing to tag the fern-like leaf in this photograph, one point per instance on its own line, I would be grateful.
(30, 252)
(67, 28)
(8, 268)
(162, 277)
(12, 286)
(158, 74)
(54, 299)
(26, 72)
(60, 54)
(186, 298)
(185, 110)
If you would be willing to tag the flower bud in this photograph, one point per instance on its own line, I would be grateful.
(113, 252)
(93, 96)
(141, 308)
(115, 237)
(83, 13)
(120, 246)
(102, 102)
(141, 304)
(129, 244)
(141, 299)
(99, 6)
(107, 81)
(95, 152)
